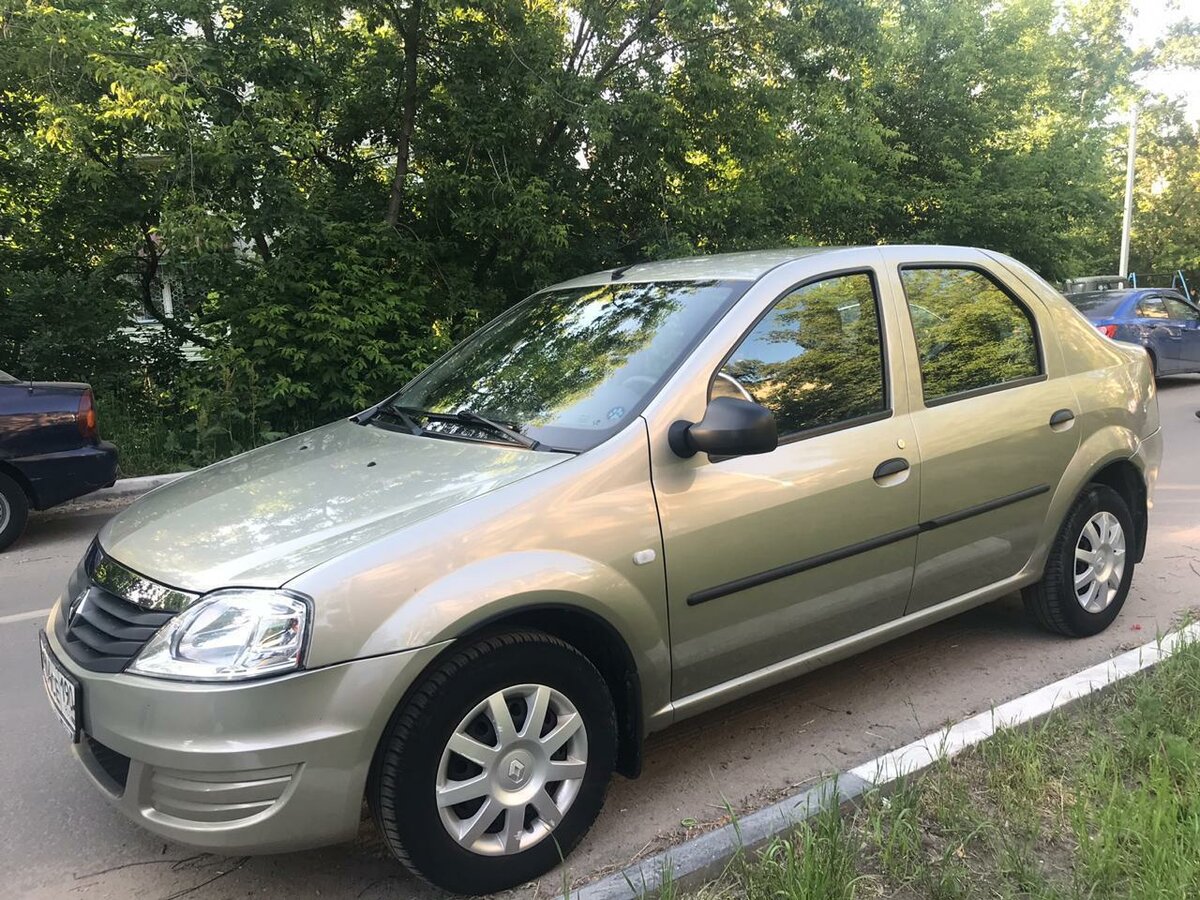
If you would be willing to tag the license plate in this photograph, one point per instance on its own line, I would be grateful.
(62, 689)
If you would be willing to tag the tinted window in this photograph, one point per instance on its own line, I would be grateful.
(815, 359)
(970, 334)
(1103, 304)
(1177, 309)
(1152, 308)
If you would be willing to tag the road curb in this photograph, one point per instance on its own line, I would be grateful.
(705, 857)
(124, 489)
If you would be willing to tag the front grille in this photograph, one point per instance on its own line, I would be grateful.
(103, 632)
(113, 764)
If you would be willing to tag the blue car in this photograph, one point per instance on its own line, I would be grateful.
(1161, 320)
(50, 449)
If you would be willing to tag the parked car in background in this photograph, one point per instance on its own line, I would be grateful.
(50, 449)
(633, 497)
(1163, 321)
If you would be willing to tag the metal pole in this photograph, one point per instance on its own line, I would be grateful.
(1127, 221)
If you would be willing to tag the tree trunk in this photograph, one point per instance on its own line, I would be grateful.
(408, 116)
(146, 283)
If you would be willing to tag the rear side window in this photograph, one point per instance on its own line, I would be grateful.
(815, 360)
(1152, 308)
(971, 334)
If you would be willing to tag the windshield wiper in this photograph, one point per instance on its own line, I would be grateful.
(389, 409)
(512, 434)
(469, 417)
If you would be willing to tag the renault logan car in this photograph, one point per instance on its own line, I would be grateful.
(632, 497)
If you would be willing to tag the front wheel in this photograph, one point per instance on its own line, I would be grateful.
(497, 765)
(1089, 569)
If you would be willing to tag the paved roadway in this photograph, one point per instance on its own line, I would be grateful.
(58, 838)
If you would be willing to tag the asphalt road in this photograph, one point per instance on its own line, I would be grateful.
(58, 838)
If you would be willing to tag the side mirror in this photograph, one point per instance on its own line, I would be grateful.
(730, 427)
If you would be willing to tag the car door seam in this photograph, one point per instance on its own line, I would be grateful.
(882, 540)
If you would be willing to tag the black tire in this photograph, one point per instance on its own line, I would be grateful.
(403, 776)
(14, 510)
(1052, 602)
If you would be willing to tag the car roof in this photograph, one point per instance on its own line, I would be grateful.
(746, 266)
(1125, 293)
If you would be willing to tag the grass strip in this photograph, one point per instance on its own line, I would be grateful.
(1101, 800)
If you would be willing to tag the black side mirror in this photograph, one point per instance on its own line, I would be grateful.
(730, 427)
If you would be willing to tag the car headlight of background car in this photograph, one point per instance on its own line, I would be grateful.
(230, 635)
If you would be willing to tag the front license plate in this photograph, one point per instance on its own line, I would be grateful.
(61, 688)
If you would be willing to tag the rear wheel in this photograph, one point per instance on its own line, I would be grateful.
(1089, 569)
(14, 510)
(497, 765)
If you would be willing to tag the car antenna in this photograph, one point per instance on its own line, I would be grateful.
(621, 270)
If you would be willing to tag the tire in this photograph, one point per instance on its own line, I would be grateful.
(413, 760)
(1055, 602)
(14, 510)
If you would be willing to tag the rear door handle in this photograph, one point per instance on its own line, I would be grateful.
(893, 466)
(1061, 417)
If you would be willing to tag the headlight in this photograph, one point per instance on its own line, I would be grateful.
(229, 635)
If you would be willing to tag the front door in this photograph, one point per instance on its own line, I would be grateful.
(1164, 335)
(994, 424)
(1187, 317)
(772, 555)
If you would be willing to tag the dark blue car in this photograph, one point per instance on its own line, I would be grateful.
(50, 449)
(1163, 321)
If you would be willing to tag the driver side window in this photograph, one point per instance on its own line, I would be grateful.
(815, 359)
(1177, 309)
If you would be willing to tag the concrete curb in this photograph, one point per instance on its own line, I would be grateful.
(124, 489)
(705, 857)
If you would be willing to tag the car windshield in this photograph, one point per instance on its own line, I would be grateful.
(570, 367)
(5, 378)
(1102, 303)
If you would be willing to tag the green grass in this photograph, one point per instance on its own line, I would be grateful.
(1100, 801)
(148, 442)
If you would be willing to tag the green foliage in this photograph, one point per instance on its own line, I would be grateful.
(335, 193)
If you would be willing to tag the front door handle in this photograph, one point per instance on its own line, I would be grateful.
(1061, 417)
(888, 467)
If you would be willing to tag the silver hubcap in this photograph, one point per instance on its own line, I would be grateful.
(1099, 562)
(511, 770)
(5, 512)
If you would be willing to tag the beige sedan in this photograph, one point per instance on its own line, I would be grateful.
(634, 496)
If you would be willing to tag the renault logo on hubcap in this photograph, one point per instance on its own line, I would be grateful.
(516, 771)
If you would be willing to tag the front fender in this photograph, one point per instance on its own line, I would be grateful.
(490, 589)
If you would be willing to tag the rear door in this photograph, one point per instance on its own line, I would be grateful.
(994, 419)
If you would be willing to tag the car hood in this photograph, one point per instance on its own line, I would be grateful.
(262, 518)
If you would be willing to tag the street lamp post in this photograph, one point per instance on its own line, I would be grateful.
(1127, 219)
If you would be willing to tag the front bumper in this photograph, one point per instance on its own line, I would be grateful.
(252, 767)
